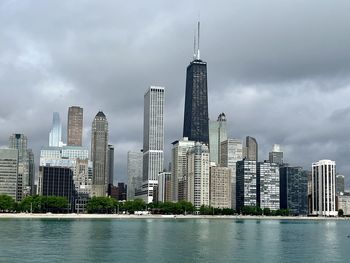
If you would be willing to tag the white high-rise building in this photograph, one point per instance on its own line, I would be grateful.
(179, 168)
(198, 184)
(153, 140)
(134, 173)
(231, 153)
(217, 134)
(55, 136)
(268, 176)
(323, 188)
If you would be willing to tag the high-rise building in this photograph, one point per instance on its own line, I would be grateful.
(75, 126)
(58, 181)
(217, 134)
(323, 188)
(268, 185)
(294, 190)
(153, 141)
(220, 187)
(340, 183)
(198, 175)
(110, 168)
(179, 168)
(251, 149)
(231, 152)
(25, 165)
(99, 146)
(134, 167)
(8, 172)
(122, 191)
(164, 187)
(246, 188)
(82, 178)
(276, 155)
(76, 159)
(196, 119)
(19, 142)
(65, 152)
(344, 203)
(55, 137)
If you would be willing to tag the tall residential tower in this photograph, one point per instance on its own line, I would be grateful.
(217, 135)
(196, 126)
(153, 140)
(55, 137)
(75, 126)
(99, 147)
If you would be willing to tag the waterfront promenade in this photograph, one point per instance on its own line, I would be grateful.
(123, 216)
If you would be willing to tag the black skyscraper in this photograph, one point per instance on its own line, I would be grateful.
(196, 126)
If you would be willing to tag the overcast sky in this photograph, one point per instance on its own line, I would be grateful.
(280, 70)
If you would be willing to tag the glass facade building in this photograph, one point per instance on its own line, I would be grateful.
(251, 153)
(276, 155)
(217, 134)
(196, 120)
(294, 190)
(55, 136)
(246, 188)
(268, 186)
(58, 181)
(340, 183)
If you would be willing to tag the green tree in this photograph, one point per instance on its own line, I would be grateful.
(267, 211)
(205, 210)
(6, 203)
(101, 205)
(186, 207)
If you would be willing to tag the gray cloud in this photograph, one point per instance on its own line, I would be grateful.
(280, 71)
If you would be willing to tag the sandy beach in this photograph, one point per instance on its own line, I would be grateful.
(122, 216)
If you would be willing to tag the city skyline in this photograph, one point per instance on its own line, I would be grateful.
(244, 91)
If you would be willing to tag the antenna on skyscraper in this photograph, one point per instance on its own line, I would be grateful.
(194, 45)
(198, 35)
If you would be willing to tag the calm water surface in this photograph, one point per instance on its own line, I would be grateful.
(169, 240)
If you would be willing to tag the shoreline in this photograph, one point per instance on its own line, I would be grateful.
(122, 216)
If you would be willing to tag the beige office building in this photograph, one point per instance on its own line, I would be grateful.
(220, 187)
(75, 126)
(99, 146)
(8, 172)
(179, 168)
(198, 175)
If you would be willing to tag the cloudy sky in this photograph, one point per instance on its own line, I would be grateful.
(279, 70)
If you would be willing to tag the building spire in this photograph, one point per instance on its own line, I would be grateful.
(196, 52)
(198, 31)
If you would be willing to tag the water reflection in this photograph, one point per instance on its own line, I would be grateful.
(180, 240)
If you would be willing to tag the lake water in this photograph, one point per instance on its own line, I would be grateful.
(173, 240)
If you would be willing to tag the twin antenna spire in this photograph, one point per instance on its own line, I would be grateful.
(196, 53)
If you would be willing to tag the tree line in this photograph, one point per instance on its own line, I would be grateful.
(34, 204)
(107, 205)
